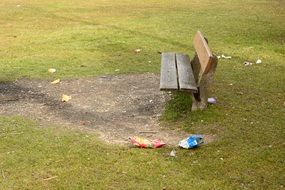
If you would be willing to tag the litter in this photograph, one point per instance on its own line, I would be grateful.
(192, 141)
(157, 143)
(138, 50)
(65, 98)
(226, 57)
(247, 63)
(258, 61)
(145, 143)
(55, 81)
(51, 70)
(173, 153)
(212, 100)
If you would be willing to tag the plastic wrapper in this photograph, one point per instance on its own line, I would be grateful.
(192, 141)
(145, 143)
(212, 100)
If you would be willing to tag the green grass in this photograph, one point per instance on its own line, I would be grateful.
(88, 38)
(102, 35)
(56, 158)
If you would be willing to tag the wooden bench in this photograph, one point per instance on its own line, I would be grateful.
(179, 73)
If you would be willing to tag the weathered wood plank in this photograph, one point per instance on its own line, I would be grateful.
(186, 78)
(203, 51)
(168, 73)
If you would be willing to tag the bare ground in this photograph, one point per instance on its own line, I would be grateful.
(115, 107)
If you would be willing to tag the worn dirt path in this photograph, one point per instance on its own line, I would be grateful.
(116, 107)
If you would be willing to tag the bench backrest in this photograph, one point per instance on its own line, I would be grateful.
(203, 52)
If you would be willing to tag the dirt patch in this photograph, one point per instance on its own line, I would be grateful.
(116, 107)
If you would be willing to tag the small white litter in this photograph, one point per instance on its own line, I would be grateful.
(138, 50)
(226, 57)
(173, 153)
(212, 100)
(247, 63)
(258, 61)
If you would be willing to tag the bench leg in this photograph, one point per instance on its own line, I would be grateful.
(200, 99)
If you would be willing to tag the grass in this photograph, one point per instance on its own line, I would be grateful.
(58, 158)
(87, 38)
(101, 36)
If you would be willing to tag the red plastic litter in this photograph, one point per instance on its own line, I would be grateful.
(145, 143)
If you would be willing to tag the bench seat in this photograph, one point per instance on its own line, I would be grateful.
(177, 73)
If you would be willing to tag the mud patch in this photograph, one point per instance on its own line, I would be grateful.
(116, 107)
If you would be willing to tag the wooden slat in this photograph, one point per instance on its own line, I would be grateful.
(203, 51)
(168, 77)
(186, 78)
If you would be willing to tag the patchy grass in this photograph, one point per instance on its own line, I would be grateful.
(87, 38)
(58, 158)
(177, 107)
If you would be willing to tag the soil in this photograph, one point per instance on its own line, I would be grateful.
(115, 107)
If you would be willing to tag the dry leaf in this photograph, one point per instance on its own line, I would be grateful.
(65, 98)
(51, 70)
(55, 81)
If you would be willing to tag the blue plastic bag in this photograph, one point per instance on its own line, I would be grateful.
(192, 141)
